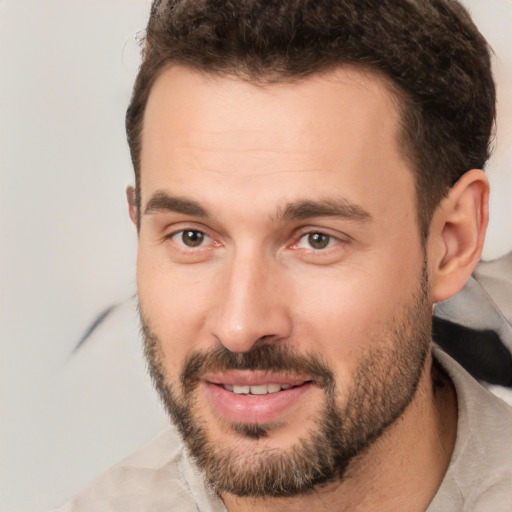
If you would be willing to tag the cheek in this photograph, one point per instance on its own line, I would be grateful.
(338, 324)
(175, 309)
(343, 316)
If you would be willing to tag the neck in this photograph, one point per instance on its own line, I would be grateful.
(400, 472)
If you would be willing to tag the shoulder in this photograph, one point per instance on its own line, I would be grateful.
(481, 414)
(479, 477)
(153, 478)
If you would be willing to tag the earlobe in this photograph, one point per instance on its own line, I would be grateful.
(457, 234)
(132, 204)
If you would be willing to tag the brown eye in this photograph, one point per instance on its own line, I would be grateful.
(319, 240)
(192, 238)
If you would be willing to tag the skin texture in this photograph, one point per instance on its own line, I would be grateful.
(300, 232)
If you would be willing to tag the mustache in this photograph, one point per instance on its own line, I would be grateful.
(268, 357)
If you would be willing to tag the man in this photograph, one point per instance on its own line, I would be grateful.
(308, 185)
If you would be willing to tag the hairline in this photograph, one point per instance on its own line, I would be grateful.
(400, 99)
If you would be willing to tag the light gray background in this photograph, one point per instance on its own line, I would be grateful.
(68, 249)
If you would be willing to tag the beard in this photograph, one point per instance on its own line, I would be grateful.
(383, 385)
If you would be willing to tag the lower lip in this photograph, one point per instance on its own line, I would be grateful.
(253, 409)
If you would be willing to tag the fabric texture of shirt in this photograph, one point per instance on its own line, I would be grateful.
(160, 476)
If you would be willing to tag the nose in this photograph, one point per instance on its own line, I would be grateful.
(252, 304)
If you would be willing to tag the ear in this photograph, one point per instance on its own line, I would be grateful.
(132, 204)
(457, 233)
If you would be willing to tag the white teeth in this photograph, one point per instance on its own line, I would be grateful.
(241, 390)
(261, 389)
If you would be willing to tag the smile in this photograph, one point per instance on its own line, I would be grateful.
(255, 397)
(261, 389)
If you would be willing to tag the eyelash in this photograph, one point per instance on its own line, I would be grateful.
(331, 240)
(202, 234)
(324, 238)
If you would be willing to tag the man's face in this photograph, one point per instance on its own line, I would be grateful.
(281, 277)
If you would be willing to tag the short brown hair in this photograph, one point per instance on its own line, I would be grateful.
(430, 51)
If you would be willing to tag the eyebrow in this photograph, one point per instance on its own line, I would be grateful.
(163, 202)
(338, 207)
(299, 210)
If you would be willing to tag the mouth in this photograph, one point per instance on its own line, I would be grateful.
(261, 389)
(253, 397)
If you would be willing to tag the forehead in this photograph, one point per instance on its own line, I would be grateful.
(183, 101)
(337, 129)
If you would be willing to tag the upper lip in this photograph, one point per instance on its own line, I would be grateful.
(254, 378)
